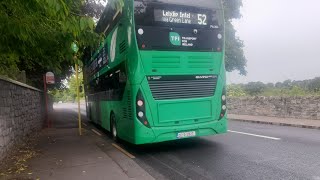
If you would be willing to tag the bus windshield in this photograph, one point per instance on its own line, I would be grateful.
(189, 23)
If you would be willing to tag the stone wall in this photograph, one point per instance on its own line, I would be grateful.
(287, 107)
(21, 112)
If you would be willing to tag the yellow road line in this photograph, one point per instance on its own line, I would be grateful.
(123, 151)
(95, 131)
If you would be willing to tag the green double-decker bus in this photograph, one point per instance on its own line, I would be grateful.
(159, 75)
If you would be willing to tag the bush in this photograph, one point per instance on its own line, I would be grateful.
(254, 88)
(235, 91)
(286, 88)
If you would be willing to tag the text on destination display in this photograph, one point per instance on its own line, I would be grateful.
(180, 17)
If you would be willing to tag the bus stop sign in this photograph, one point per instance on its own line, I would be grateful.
(50, 78)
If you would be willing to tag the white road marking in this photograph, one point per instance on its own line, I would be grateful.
(97, 132)
(256, 135)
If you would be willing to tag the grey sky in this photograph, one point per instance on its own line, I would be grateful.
(282, 39)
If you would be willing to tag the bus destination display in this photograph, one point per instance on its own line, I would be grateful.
(180, 17)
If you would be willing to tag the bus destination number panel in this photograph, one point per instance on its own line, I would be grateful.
(180, 17)
(177, 27)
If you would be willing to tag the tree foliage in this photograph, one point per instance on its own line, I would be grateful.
(69, 93)
(93, 8)
(235, 90)
(235, 58)
(36, 35)
(254, 88)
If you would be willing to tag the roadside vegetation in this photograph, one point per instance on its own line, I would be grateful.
(287, 88)
(36, 36)
(68, 91)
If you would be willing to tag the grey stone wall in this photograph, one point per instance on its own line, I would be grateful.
(21, 113)
(287, 107)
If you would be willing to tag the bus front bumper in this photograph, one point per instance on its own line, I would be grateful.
(161, 134)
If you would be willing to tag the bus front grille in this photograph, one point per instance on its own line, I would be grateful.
(179, 88)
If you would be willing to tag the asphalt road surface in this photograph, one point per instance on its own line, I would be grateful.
(247, 151)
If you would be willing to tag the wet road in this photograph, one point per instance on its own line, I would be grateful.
(248, 151)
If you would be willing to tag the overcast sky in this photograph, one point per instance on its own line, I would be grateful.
(282, 39)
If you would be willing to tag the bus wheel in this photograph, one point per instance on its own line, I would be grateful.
(114, 129)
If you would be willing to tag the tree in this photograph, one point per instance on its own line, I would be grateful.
(235, 58)
(36, 35)
(93, 8)
(72, 83)
(314, 84)
(287, 84)
(254, 88)
(69, 92)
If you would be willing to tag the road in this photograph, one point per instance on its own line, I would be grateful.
(71, 106)
(248, 151)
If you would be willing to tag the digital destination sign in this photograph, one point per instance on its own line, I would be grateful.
(180, 17)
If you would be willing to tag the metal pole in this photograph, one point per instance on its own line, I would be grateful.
(78, 97)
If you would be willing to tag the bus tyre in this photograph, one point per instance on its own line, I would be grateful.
(114, 130)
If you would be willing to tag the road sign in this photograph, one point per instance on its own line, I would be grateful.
(50, 78)
(74, 47)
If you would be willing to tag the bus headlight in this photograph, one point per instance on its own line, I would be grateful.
(140, 114)
(141, 109)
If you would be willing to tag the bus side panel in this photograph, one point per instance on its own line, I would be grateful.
(125, 114)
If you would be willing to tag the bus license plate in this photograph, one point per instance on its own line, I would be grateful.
(186, 134)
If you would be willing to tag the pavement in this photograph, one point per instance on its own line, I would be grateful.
(302, 123)
(66, 155)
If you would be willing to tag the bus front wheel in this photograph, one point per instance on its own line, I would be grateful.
(114, 129)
